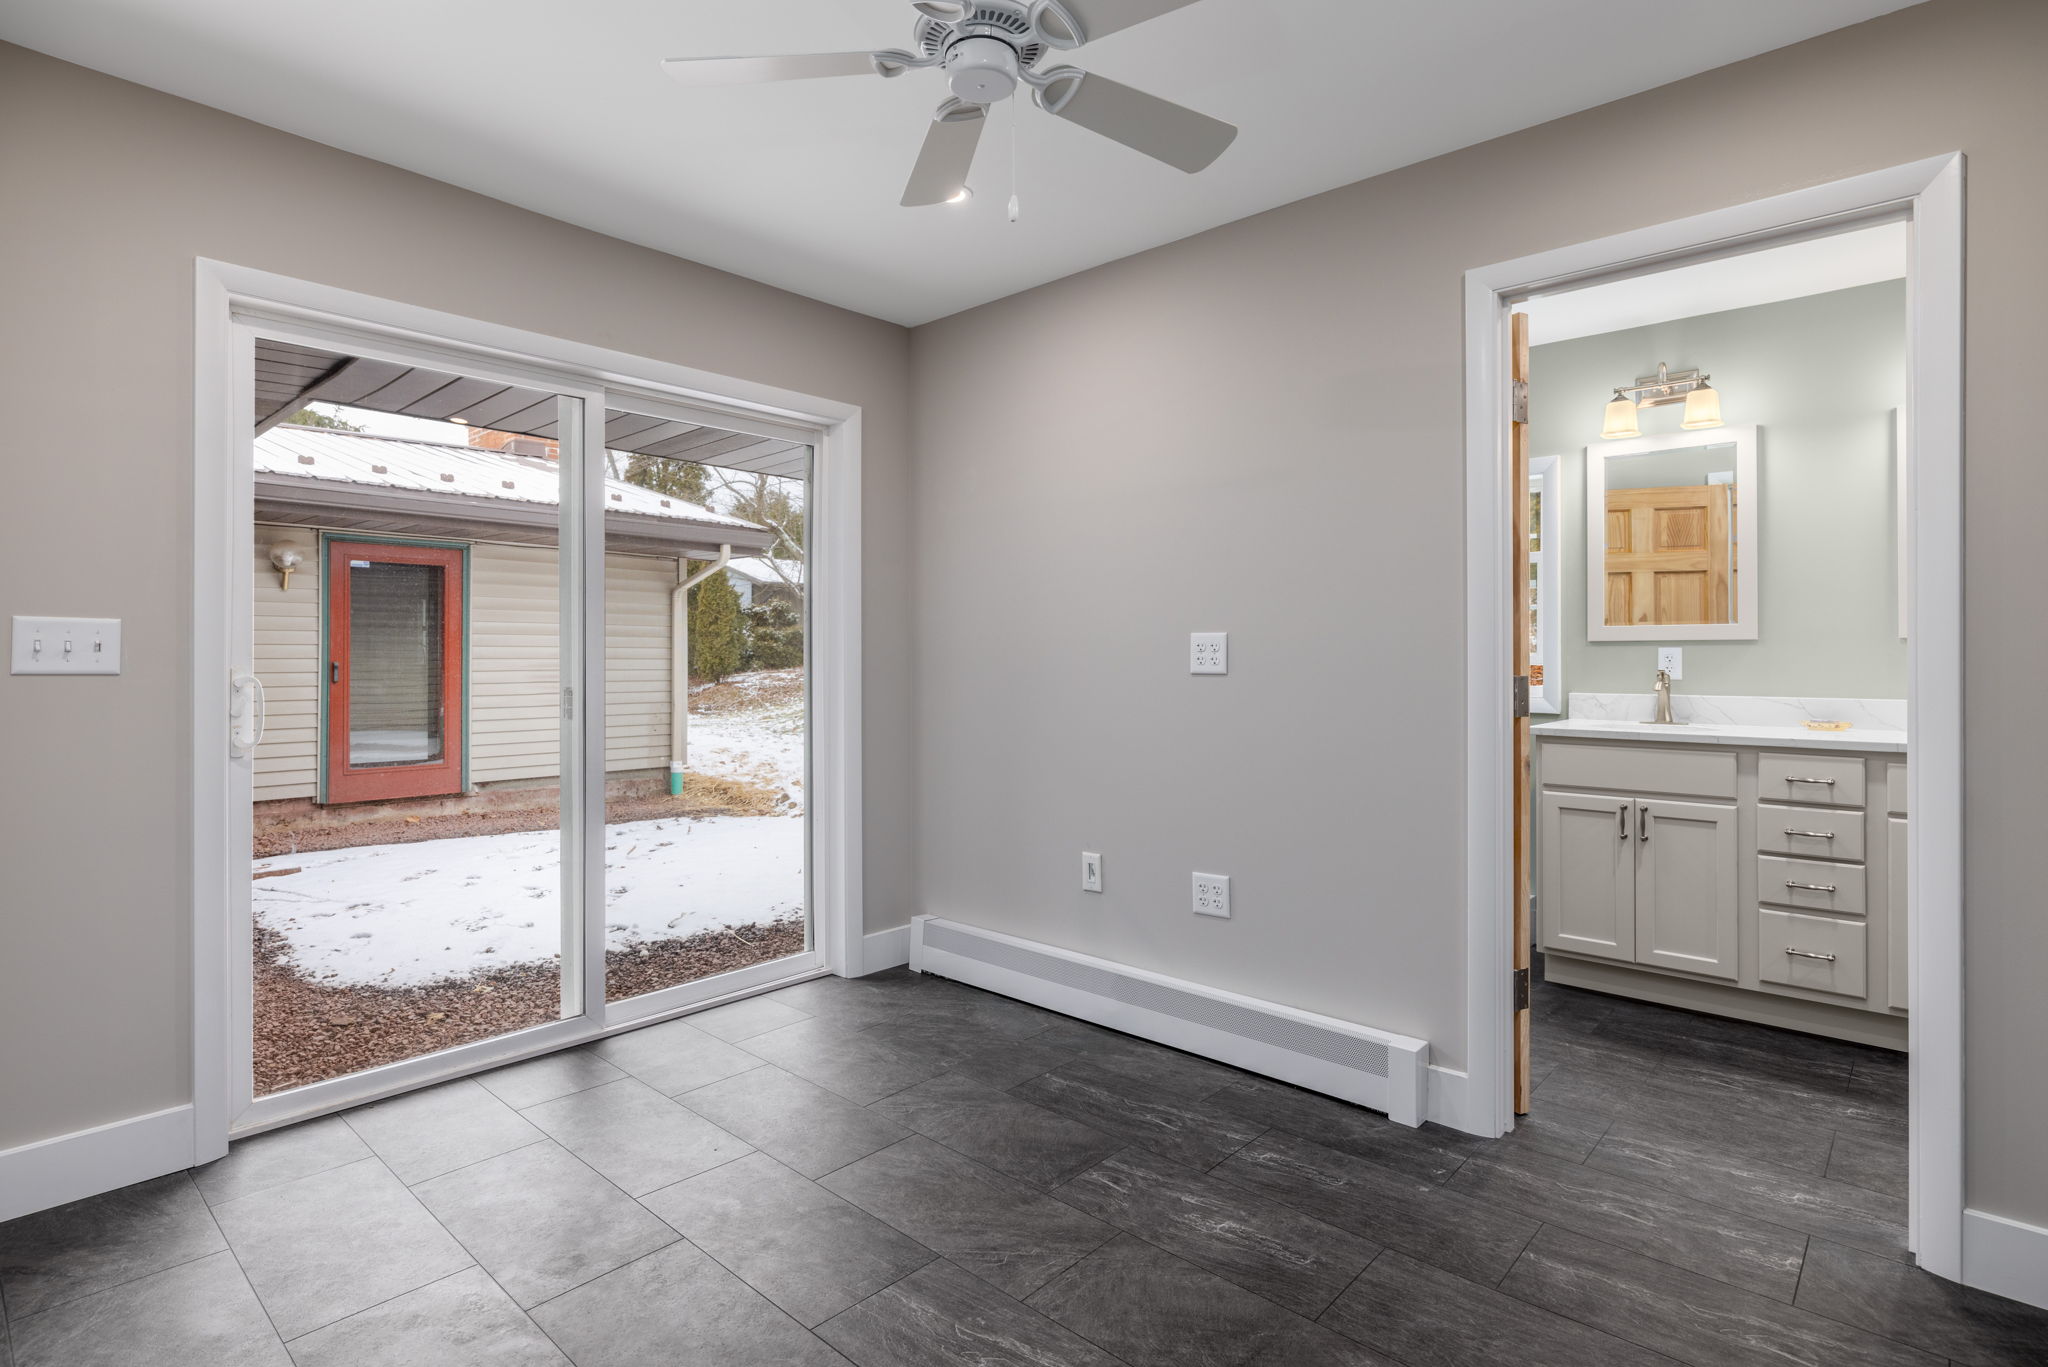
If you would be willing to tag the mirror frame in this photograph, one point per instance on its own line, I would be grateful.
(1744, 627)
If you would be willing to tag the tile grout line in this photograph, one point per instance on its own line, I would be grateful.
(228, 1245)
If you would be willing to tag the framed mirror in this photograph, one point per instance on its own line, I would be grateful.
(1671, 540)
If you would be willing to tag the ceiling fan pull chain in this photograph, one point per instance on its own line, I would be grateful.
(1016, 115)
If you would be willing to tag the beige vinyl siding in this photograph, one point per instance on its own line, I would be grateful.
(287, 659)
(514, 666)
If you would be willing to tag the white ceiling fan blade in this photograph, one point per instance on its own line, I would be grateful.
(948, 154)
(1100, 18)
(751, 70)
(1161, 129)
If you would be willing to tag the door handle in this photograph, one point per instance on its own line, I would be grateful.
(334, 671)
(1642, 821)
(1622, 812)
(248, 713)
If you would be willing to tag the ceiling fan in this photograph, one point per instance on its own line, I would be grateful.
(987, 48)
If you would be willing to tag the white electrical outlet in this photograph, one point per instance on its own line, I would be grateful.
(1671, 660)
(1091, 871)
(67, 645)
(1209, 652)
(1212, 894)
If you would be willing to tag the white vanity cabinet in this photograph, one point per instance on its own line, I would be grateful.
(1745, 880)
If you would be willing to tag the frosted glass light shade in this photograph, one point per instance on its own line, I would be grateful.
(1621, 419)
(1702, 408)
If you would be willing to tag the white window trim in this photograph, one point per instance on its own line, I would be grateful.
(1744, 627)
(229, 301)
(1931, 193)
(1545, 478)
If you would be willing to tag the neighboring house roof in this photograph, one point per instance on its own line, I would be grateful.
(758, 570)
(353, 480)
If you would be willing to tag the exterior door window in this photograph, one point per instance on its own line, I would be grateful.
(394, 671)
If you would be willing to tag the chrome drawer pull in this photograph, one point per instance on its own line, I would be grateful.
(1811, 887)
(1809, 954)
(1817, 835)
(1790, 779)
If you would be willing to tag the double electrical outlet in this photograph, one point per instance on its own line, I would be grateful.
(1211, 894)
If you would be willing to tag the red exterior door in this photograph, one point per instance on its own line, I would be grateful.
(394, 671)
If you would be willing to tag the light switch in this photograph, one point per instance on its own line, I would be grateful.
(67, 645)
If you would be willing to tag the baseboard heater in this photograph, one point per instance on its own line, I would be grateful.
(1373, 1068)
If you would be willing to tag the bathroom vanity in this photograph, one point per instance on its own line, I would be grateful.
(1737, 867)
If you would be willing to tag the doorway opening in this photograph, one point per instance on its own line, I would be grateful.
(1719, 832)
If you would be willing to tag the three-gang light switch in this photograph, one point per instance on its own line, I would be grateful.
(67, 645)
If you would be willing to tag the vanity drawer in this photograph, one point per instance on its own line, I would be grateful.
(1810, 885)
(1678, 769)
(1809, 833)
(1816, 952)
(1816, 780)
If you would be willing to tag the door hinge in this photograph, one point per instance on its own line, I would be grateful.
(1521, 989)
(1521, 695)
(1518, 402)
(568, 703)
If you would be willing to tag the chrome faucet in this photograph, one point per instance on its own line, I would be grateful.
(1664, 717)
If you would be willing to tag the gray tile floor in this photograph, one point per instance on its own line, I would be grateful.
(905, 1171)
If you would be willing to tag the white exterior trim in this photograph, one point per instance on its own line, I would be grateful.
(85, 1163)
(1931, 191)
(230, 301)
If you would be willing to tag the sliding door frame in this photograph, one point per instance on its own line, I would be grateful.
(234, 305)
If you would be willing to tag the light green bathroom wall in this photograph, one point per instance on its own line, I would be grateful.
(1821, 378)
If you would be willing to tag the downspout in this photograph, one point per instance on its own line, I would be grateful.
(679, 664)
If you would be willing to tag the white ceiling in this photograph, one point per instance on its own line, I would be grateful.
(560, 107)
(1843, 261)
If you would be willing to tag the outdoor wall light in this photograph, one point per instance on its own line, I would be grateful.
(1702, 401)
(287, 556)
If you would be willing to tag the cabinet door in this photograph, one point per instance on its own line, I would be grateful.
(1685, 886)
(1588, 889)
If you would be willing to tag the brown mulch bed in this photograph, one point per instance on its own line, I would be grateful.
(308, 1031)
(703, 795)
(759, 692)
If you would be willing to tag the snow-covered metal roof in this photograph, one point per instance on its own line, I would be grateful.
(316, 453)
(763, 571)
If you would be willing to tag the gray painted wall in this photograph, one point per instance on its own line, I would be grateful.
(1820, 376)
(1298, 376)
(112, 191)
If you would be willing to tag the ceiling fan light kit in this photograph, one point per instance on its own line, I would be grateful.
(987, 48)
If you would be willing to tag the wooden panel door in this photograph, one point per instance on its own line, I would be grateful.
(1669, 556)
(1589, 874)
(1518, 588)
(394, 672)
(1685, 902)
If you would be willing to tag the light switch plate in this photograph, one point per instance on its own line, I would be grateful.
(1212, 895)
(1671, 659)
(1209, 652)
(1091, 871)
(67, 645)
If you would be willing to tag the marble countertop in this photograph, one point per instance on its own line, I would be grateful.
(1877, 739)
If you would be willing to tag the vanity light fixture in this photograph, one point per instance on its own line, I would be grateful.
(1702, 401)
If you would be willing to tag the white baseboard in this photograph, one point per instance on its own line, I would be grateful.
(2005, 1257)
(882, 949)
(1448, 1088)
(70, 1167)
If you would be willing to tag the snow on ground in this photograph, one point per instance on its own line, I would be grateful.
(400, 915)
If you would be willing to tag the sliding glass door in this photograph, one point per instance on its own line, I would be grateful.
(531, 757)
